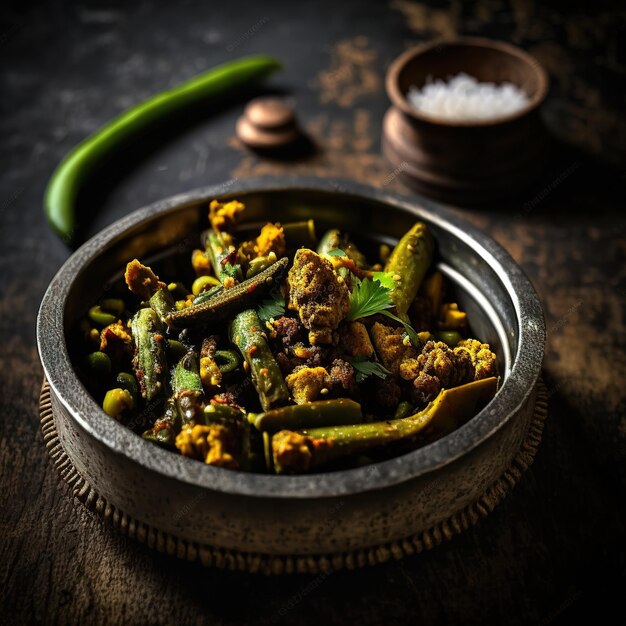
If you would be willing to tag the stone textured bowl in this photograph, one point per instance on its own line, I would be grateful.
(297, 516)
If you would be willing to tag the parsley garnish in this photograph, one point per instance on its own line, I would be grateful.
(371, 296)
(365, 368)
(271, 307)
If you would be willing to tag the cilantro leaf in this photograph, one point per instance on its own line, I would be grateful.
(385, 279)
(367, 297)
(410, 331)
(271, 307)
(365, 368)
(371, 296)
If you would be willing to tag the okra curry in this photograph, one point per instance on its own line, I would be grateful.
(286, 354)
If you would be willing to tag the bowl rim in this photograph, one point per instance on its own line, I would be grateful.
(82, 408)
(398, 98)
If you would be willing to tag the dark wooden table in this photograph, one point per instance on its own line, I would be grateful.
(554, 550)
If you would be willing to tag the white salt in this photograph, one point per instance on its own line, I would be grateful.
(463, 98)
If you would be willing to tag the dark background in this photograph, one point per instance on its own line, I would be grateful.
(554, 550)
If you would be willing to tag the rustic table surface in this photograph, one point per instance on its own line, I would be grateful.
(554, 550)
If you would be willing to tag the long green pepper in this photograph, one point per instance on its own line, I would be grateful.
(68, 178)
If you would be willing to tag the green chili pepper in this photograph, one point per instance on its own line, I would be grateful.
(62, 190)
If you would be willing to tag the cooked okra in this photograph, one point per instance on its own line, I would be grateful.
(275, 353)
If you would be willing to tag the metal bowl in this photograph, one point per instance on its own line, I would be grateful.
(325, 513)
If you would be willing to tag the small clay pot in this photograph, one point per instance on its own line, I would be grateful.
(465, 161)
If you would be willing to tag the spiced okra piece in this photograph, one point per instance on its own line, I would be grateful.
(300, 234)
(143, 282)
(410, 261)
(305, 450)
(308, 415)
(229, 301)
(223, 255)
(246, 332)
(187, 389)
(149, 362)
(333, 239)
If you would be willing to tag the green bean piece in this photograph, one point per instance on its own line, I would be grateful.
(100, 317)
(99, 363)
(84, 159)
(117, 401)
(205, 296)
(410, 261)
(149, 363)
(258, 264)
(229, 360)
(333, 239)
(304, 450)
(221, 252)
(450, 337)
(225, 304)
(404, 409)
(245, 331)
(308, 415)
(162, 302)
(129, 382)
(176, 350)
(300, 234)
